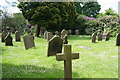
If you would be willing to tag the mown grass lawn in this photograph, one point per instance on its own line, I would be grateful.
(100, 60)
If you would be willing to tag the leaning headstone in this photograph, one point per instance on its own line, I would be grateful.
(107, 36)
(45, 35)
(118, 39)
(8, 40)
(29, 41)
(69, 32)
(63, 33)
(17, 36)
(65, 41)
(3, 35)
(93, 38)
(67, 57)
(49, 36)
(99, 36)
(54, 46)
(76, 32)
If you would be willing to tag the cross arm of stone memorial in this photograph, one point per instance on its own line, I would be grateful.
(67, 57)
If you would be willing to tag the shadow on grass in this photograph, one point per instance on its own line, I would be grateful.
(79, 37)
(31, 71)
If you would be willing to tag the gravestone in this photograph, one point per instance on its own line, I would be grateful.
(54, 46)
(17, 36)
(63, 33)
(65, 39)
(99, 36)
(3, 35)
(45, 35)
(107, 36)
(67, 57)
(8, 40)
(69, 32)
(29, 41)
(49, 36)
(57, 33)
(76, 32)
(93, 38)
(41, 31)
(118, 39)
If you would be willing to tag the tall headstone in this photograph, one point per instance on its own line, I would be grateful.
(107, 36)
(76, 32)
(29, 41)
(93, 38)
(67, 57)
(8, 40)
(3, 35)
(65, 41)
(99, 36)
(54, 46)
(118, 39)
(63, 33)
(45, 35)
(49, 36)
(17, 36)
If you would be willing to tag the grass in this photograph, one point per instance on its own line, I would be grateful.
(100, 61)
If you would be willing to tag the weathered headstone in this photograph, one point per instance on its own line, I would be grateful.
(29, 41)
(118, 39)
(3, 35)
(49, 36)
(8, 40)
(55, 46)
(76, 32)
(69, 32)
(107, 36)
(65, 39)
(17, 36)
(99, 36)
(45, 35)
(93, 38)
(63, 33)
(57, 33)
(67, 57)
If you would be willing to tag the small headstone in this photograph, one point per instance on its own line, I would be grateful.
(8, 40)
(65, 39)
(49, 36)
(107, 36)
(17, 36)
(3, 35)
(93, 38)
(118, 39)
(63, 33)
(99, 36)
(45, 35)
(29, 41)
(57, 33)
(69, 32)
(54, 46)
(76, 32)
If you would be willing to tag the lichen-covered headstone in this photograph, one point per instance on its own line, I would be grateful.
(63, 33)
(54, 46)
(29, 41)
(107, 36)
(49, 36)
(76, 32)
(118, 39)
(3, 35)
(99, 36)
(93, 38)
(17, 36)
(8, 40)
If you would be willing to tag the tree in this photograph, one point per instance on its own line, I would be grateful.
(90, 9)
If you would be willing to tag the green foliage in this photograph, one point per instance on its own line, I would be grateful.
(90, 9)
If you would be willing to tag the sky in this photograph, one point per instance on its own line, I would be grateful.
(105, 4)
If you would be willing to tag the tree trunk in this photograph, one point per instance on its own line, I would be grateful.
(37, 31)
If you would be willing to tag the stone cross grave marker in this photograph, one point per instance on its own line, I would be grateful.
(76, 32)
(8, 40)
(63, 33)
(99, 36)
(107, 36)
(54, 46)
(45, 35)
(118, 39)
(65, 41)
(3, 35)
(49, 36)
(67, 57)
(29, 41)
(93, 38)
(17, 36)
